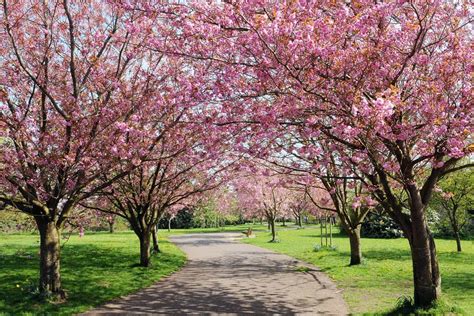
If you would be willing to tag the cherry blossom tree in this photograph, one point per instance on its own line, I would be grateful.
(265, 193)
(299, 205)
(351, 202)
(178, 170)
(317, 167)
(389, 83)
(75, 83)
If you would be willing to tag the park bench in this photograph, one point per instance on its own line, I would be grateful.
(248, 232)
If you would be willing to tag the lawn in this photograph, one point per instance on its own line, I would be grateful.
(101, 266)
(386, 273)
(95, 268)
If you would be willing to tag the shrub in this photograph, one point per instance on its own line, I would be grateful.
(377, 225)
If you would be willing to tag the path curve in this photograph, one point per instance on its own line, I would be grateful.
(224, 276)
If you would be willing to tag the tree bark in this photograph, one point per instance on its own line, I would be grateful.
(145, 250)
(354, 239)
(50, 255)
(156, 247)
(426, 275)
(284, 223)
(299, 221)
(111, 227)
(169, 224)
(458, 241)
(272, 224)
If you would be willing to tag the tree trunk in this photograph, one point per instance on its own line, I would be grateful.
(156, 247)
(145, 250)
(111, 227)
(458, 242)
(299, 221)
(284, 223)
(273, 230)
(50, 255)
(354, 239)
(169, 224)
(426, 276)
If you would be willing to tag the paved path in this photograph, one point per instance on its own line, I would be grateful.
(224, 276)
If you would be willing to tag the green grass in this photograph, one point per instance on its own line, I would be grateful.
(386, 272)
(95, 268)
(100, 267)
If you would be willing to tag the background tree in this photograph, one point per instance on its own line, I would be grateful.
(317, 166)
(453, 200)
(263, 192)
(387, 84)
(300, 205)
(177, 172)
(74, 78)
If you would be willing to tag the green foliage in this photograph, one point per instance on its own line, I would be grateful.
(387, 270)
(203, 216)
(95, 268)
(378, 225)
(452, 204)
(207, 215)
(14, 221)
(184, 219)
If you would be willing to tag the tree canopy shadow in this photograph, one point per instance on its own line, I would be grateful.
(91, 275)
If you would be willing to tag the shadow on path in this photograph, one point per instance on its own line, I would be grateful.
(227, 277)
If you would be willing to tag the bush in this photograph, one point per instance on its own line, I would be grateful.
(13, 221)
(377, 225)
(183, 219)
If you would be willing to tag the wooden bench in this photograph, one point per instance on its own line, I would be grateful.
(248, 232)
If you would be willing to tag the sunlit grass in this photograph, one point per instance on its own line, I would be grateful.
(386, 272)
(101, 266)
(95, 268)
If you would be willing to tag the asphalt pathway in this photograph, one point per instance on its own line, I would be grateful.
(224, 276)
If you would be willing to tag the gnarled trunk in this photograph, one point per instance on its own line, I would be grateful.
(354, 239)
(50, 255)
(145, 249)
(426, 275)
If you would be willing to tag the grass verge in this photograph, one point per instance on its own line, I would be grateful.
(386, 272)
(95, 269)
